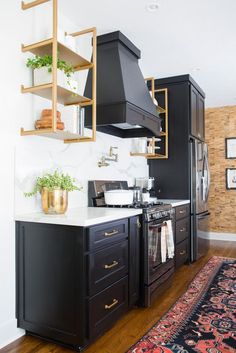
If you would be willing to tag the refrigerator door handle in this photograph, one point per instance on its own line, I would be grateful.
(203, 189)
(204, 215)
(194, 179)
(208, 177)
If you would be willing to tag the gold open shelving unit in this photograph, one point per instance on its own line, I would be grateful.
(163, 111)
(52, 91)
(164, 115)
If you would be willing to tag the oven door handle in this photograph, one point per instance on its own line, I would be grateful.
(157, 225)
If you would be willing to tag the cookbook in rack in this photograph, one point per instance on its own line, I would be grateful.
(156, 262)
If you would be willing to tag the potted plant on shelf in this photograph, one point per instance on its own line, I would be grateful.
(42, 72)
(54, 190)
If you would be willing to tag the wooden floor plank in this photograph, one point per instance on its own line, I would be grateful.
(135, 323)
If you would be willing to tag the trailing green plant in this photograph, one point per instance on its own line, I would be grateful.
(46, 61)
(53, 181)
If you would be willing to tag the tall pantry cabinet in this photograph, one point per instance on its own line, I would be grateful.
(186, 120)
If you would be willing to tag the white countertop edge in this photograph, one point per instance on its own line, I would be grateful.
(80, 216)
(175, 203)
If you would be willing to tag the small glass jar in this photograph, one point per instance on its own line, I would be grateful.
(145, 196)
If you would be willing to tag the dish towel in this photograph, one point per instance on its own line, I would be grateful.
(163, 243)
(167, 241)
(170, 240)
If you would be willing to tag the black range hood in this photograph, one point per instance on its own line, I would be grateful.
(124, 105)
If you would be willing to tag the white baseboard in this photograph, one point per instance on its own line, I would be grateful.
(9, 333)
(221, 236)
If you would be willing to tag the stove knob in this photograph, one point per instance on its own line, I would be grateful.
(158, 215)
(150, 217)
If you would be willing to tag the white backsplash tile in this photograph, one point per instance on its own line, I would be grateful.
(36, 155)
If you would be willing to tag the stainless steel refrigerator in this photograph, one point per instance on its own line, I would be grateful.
(200, 185)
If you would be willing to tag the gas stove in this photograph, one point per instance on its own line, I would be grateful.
(151, 210)
(144, 206)
(155, 275)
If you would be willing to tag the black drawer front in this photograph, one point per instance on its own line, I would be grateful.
(182, 211)
(181, 254)
(107, 306)
(107, 266)
(163, 268)
(182, 230)
(107, 233)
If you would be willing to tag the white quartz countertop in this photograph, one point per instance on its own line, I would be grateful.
(81, 216)
(175, 203)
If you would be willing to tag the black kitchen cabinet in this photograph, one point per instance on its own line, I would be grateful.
(185, 119)
(50, 282)
(73, 283)
(182, 234)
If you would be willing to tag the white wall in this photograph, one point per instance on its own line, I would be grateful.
(22, 158)
(196, 37)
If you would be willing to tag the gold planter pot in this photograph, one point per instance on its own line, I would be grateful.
(54, 201)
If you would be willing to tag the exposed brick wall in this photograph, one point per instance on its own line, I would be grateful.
(221, 123)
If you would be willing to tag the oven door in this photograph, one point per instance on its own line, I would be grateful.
(153, 251)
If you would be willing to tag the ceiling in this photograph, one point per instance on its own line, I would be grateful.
(185, 36)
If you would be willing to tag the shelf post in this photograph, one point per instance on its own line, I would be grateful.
(26, 6)
(94, 84)
(167, 128)
(54, 67)
(152, 86)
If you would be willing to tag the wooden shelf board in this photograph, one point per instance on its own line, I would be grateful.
(142, 155)
(161, 110)
(34, 132)
(28, 5)
(157, 156)
(138, 154)
(159, 90)
(64, 96)
(45, 48)
(64, 135)
(150, 156)
(58, 134)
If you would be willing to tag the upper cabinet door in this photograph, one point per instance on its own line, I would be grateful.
(194, 112)
(197, 115)
(201, 118)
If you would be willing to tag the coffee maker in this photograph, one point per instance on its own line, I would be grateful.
(147, 184)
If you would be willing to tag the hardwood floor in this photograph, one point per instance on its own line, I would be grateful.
(135, 323)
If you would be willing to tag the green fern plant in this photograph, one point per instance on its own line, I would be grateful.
(46, 61)
(54, 181)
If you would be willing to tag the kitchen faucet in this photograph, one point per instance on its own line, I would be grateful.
(113, 157)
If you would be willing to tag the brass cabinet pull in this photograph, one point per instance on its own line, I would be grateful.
(113, 232)
(114, 302)
(114, 263)
(183, 252)
(182, 211)
(182, 230)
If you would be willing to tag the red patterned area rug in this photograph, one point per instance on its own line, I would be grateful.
(203, 320)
